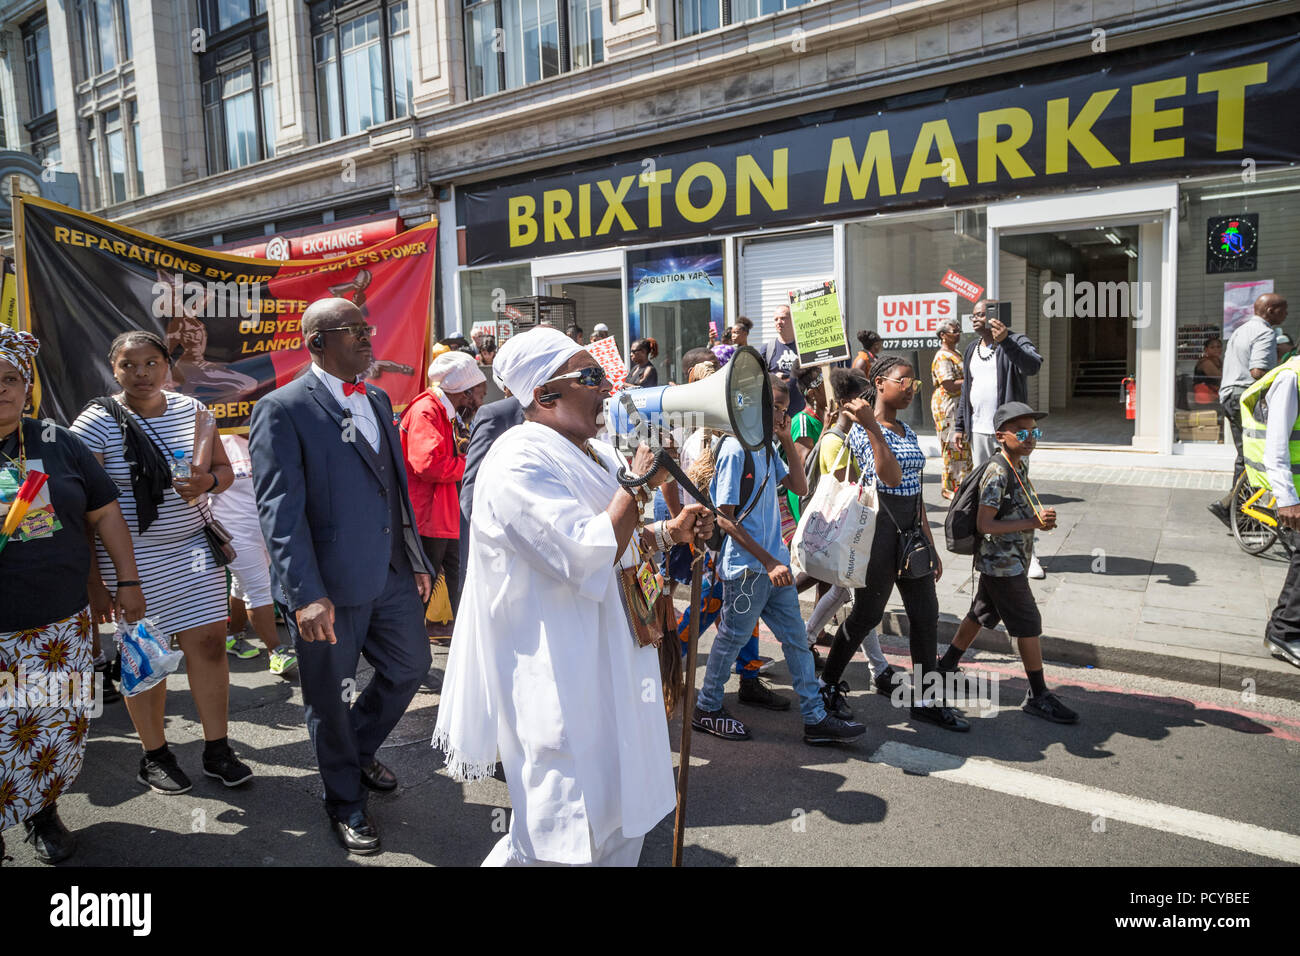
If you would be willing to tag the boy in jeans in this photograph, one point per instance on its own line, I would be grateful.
(1009, 513)
(756, 582)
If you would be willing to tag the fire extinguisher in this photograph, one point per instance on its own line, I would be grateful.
(1129, 389)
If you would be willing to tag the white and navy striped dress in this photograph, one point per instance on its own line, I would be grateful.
(182, 586)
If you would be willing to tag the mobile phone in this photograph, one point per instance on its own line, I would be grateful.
(1000, 311)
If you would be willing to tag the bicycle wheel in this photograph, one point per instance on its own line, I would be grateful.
(1253, 536)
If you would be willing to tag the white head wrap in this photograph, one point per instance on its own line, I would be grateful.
(455, 372)
(530, 359)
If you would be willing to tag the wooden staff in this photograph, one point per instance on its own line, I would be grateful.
(693, 640)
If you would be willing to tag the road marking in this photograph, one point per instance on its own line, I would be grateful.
(1274, 844)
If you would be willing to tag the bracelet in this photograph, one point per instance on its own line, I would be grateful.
(128, 584)
(663, 537)
(215, 482)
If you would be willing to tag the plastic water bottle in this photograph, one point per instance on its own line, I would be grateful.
(180, 464)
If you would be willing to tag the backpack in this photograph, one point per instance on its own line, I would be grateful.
(747, 482)
(959, 529)
(812, 471)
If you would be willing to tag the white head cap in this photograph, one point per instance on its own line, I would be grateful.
(530, 359)
(600, 327)
(455, 372)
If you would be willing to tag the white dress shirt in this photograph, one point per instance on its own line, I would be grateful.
(356, 405)
(1283, 402)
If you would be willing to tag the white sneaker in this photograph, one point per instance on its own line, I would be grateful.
(1035, 569)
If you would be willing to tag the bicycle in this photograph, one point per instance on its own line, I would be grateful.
(1254, 519)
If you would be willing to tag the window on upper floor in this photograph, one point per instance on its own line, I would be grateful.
(700, 16)
(105, 34)
(116, 163)
(362, 55)
(510, 43)
(40, 67)
(238, 84)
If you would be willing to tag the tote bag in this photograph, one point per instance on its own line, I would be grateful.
(833, 540)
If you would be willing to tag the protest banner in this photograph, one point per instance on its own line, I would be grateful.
(232, 324)
(606, 353)
(819, 336)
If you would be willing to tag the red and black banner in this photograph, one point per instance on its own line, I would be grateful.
(232, 323)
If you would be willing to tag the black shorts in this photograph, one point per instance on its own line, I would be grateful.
(1008, 600)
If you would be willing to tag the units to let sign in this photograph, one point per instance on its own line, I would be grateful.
(915, 315)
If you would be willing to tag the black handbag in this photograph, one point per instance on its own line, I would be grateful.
(219, 540)
(915, 556)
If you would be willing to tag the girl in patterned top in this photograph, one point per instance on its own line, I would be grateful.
(888, 453)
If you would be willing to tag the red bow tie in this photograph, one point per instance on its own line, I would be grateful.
(350, 389)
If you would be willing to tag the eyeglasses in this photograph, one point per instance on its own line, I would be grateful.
(356, 331)
(593, 376)
(906, 382)
(1024, 434)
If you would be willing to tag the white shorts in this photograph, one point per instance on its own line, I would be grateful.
(250, 572)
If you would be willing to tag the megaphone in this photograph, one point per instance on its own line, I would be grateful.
(735, 400)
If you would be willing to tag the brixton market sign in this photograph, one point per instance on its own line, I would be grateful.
(1184, 107)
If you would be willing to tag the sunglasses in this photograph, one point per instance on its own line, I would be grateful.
(356, 331)
(908, 382)
(1024, 434)
(593, 376)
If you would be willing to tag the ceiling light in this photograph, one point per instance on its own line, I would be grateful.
(1236, 194)
(1130, 253)
(1114, 239)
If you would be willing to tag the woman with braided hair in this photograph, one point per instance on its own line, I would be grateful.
(902, 551)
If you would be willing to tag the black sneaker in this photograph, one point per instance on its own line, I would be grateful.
(1288, 651)
(719, 723)
(226, 767)
(949, 718)
(49, 838)
(1049, 707)
(163, 775)
(831, 730)
(755, 692)
(833, 698)
(1220, 511)
(818, 663)
(886, 680)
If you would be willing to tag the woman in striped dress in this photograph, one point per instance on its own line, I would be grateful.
(184, 588)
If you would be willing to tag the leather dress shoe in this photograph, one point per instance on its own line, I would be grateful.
(357, 834)
(378, 777)
(50, 839)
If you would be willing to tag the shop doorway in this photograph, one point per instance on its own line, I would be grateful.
(677, 326)
(1078, 298)
(599, 298)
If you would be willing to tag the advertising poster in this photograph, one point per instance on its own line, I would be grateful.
(233, 324)
(1239, 302)
(672, 296)
(912, 321)
(819, 335)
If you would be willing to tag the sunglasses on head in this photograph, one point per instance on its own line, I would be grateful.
(1024, 434)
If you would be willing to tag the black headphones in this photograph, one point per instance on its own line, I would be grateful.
(548, 398)
(316, 342)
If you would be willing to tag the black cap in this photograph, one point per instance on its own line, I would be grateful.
(1013, 410)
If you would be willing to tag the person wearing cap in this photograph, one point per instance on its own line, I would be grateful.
(435, 441)
(347, 566)
(544, 670)
(599, 331)
(1009, 514)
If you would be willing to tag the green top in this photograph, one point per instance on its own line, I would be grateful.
(803, 425)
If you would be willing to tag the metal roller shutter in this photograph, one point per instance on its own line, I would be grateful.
(771, 268)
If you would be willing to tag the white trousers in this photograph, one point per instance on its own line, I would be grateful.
(617, 850)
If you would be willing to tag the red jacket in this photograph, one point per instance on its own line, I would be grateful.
(433, 469)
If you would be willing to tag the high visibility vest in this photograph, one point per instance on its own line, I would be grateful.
(1254, 424)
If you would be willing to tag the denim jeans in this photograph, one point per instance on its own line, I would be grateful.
(744, 600)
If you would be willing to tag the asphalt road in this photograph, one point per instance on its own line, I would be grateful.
(1156, 773)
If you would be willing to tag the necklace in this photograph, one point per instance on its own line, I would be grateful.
(21, 460)
(979, 350)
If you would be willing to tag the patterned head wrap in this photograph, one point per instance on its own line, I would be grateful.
(19, 350)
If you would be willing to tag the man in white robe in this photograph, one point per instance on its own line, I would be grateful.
(544, 670)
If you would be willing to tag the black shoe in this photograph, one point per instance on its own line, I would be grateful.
(755, 692)
(833, 699)
(226, 767)
(1221, 512)
(818, 663)
(888, 678)
(831, 730)
(163, 774)
(1049, 707)
(719, 723)
(949, 718)
(1288, 651)
(356, 834)
(50, 839)
(825, 639)
(109, 693)
(378, 777)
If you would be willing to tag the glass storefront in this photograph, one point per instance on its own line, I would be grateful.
(1236, 241)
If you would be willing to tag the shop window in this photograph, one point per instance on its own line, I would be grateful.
(904, 255)
(40, 67)
(362, 60)
(510, 43)
(105, 34)
(1236, 241)
(239, 97)
(483, 293)
(700, 16)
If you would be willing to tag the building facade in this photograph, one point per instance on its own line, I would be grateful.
(1123, 172)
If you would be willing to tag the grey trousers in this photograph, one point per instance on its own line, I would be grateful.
(982, 448)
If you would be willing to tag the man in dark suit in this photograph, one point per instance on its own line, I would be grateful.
(346, 561)
(491, 422)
